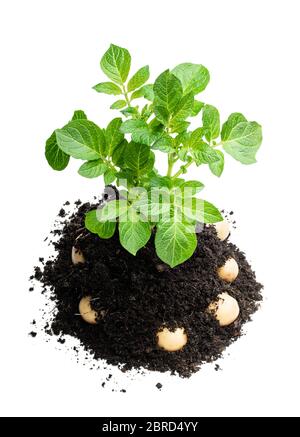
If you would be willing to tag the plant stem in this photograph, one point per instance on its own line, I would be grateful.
(171, 162)
(181, 170)
(126, 97)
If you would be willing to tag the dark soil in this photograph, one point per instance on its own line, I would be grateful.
(140, 294)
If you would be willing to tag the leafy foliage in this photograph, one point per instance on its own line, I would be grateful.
(123, 153)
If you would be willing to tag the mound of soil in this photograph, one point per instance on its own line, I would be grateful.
(140, 294)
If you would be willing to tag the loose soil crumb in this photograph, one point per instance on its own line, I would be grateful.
(140, 294)
(159, 386)
(33, 334)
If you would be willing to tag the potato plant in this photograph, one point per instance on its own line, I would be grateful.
(124, 153)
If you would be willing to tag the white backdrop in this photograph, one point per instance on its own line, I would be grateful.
(50, 54)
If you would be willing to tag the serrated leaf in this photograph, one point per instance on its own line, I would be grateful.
(217, 167)
(92, 169)
(134, 233)
(193, 77)
(136, 157)
(175, 241)
(81, 139)
(138, 79)
(56, 158)
(243, 141)
(116, 64)
(103, 229)
(119, 104)
(108, 88)
(79, 115)
(211, 122)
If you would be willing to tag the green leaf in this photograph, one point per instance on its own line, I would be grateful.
(92, 169)
(112, 210)
(136, 157)
(193, 77)
(103, 229)
(146, 91)
(134, 233)
(217, 167)
(109, 176)
(113, 135)
(138, 79)
(79, 115)
(199, 210)
(108, 88)
(129, 111)
(119, 104)
(211, 122)
(81, 139)
(184, 108)
(162, 114)
(243, 141)
(191, 188)
(116, 64)
(197, 106)
(163, 142)
(167, 94)
(118, 153)
(56, 158)
(175, 241)
(179, 127)
(204, 154)
(130, 126)
(139, 130)
(232, 121)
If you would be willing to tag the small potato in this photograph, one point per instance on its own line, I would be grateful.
(223, 229)
(77, 256)
(87, 313)
(172, 341)
(226, 309)
(229, 271)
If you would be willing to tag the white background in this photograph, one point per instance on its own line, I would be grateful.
(50, 52)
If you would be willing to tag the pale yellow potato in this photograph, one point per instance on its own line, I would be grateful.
(223, 229)
(77, 256)
(226, 309)
(229, 271)
(87, 313)
(172, 341)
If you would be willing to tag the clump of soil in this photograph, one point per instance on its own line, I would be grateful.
(140, 294)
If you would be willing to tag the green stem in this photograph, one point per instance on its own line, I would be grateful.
(184, 167)
(126, 97)
(109, 164)
(171, 162)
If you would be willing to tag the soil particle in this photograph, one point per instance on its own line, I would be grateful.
(159, 386)
(33, 334)
(140, 294)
